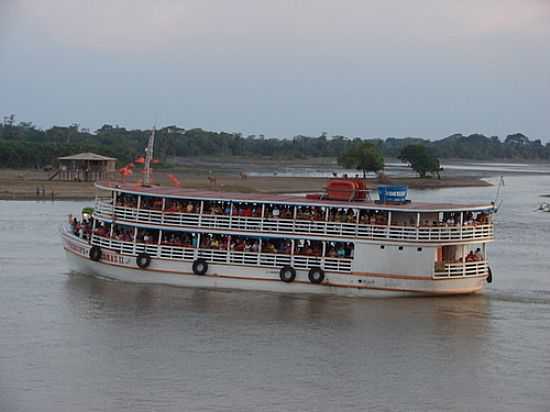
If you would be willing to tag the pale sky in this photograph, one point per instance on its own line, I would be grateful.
(425, 68)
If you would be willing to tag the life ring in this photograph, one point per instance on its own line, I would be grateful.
(287, 274)
(200, 267)
(143, 260)
(95, 253)
(316, 275)
(490, 275)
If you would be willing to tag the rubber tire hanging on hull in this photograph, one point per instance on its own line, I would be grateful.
(316, 275)
(490, 275)
(95, 253)
(287, 274)
(200, 267)
(143, 260)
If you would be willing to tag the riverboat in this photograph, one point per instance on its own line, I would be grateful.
(339, 242)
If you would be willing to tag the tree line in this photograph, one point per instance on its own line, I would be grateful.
(23, 145)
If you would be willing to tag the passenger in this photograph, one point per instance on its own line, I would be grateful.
(255, 247)
(470, 257)
(332, 252)
(286, 248)
(317, 250)
(478, 255)
(270, 248)
(239, 245)
(341, 252)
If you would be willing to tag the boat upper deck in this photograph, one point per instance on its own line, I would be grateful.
(194, 194)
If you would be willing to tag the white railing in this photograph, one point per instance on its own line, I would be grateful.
(456, 270)
(224, 256)
(105, 210)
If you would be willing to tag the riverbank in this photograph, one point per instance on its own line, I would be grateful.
(34, 185)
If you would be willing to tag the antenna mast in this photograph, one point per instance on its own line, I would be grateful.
(148, 159)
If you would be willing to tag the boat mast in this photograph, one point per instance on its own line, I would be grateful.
(148, 159)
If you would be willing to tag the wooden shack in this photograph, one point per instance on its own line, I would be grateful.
(85, 167)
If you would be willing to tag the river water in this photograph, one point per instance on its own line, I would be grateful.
(74, 343)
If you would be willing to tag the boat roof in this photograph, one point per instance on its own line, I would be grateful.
(195, 194)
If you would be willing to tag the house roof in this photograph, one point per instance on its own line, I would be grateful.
(86, 156)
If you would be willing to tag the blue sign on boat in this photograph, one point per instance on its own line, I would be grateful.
(392, 193)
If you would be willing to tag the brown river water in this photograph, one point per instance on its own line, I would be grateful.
(74, 343)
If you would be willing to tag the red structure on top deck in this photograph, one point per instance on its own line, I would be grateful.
(346, 190)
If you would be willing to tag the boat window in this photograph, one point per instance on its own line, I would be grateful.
(315, 213)
(247, 209)
(275, 211)
(339, 249)
(280, 246)
(150, 236)
(151, 203)
(343, 215)
(182, 239)
(215, 241)
(126, 200)
(373, 217)
(217, 207)
(123, 233)
(182, 206)
(306, 247)
(245, 244)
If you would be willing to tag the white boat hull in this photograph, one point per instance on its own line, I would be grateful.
(113, 265)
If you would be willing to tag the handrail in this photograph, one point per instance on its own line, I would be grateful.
(466, 269)
(257, 224)
(224, 256)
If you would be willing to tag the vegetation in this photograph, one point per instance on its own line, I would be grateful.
(362, 156)
(421, 159)
(23, 145)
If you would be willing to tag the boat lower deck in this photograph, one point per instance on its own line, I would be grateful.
(113, 265)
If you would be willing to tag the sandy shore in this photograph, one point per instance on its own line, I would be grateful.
(32, 185)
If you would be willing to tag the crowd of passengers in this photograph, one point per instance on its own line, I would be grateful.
(472, 256)
(453, 219)
(308, 213)
(276, 246)
(82, 228)
(226, 242)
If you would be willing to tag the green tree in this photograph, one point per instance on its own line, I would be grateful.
(421, 159)
(362, 156)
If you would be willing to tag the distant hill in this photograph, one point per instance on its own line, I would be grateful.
(22, 145)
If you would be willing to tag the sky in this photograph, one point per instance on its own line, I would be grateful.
(361, 68)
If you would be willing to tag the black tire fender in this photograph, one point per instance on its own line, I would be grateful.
(143, 260)
(200, 267)
(287, 274)
(95, 253)
(489, 275)
(316, 275)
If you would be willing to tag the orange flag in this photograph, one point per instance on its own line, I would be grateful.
(175, 181)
